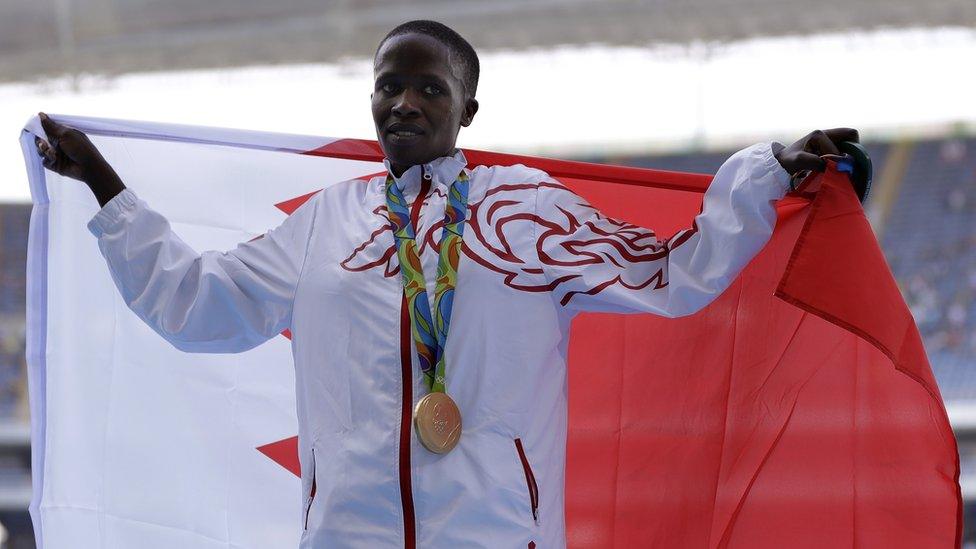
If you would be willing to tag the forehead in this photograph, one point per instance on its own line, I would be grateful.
(415, 53)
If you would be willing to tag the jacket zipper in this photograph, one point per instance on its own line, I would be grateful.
(406, 375)
(529, 480)
(311, 493)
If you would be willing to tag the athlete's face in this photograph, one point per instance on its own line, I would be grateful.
(419, 100)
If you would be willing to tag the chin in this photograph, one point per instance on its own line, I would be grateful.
(401, 159)
(401, 154)
(407, 156)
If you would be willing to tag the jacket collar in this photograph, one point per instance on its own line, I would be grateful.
(443, 170)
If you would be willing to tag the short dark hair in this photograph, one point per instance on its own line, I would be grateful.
(459, 47)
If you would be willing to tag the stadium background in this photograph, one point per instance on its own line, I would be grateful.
(923, 208)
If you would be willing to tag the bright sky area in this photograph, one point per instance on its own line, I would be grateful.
(570, 101)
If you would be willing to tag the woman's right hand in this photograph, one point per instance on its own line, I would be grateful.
(70, 153)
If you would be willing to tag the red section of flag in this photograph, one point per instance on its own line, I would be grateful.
(798, 410)
(367, 150)
(765, 422)
(350, 149)
(292, 204)
(285, 453)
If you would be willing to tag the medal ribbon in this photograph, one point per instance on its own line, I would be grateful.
(429, 335)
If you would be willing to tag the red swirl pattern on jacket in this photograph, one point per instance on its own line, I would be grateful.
(570, 239)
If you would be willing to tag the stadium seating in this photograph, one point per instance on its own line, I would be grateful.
(14, 223)
(928, 240)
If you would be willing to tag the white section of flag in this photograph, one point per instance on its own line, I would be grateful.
(137, 444)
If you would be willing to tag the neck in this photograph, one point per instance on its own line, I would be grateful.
(398, 169)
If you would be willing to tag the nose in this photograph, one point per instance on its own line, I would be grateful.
(406, 104)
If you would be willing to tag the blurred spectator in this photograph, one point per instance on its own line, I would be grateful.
(952, 151)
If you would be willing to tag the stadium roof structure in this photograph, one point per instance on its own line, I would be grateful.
(39, 39)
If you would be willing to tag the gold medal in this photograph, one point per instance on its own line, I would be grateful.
(437, 420)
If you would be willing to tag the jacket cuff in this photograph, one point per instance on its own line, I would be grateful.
(112, 212)
(773, 167)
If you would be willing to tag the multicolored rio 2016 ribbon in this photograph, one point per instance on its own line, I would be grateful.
(436, 416)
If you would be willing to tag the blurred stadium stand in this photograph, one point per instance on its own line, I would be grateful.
(929, 240)
(15, 486)
(45, 37)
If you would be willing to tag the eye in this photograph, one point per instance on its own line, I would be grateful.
(389, 88)
(432, 90)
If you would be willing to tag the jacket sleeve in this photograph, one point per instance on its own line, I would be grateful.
(597, 263)
(215, 302)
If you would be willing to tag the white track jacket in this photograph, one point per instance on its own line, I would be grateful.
(535, 254)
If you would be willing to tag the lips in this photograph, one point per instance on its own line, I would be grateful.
(402, 133)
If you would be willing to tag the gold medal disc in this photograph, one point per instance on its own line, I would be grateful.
(437, 420)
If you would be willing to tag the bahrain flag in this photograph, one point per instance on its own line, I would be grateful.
(797, 410)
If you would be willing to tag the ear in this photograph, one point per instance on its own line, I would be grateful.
(470, 109)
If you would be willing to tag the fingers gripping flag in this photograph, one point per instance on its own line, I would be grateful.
(798, 410)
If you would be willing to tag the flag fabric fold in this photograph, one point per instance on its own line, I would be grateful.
(798, 410)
